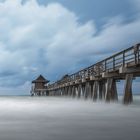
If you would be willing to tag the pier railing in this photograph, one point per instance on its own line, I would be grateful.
(127, 58)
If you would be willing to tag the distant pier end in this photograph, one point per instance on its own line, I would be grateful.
(39, 87)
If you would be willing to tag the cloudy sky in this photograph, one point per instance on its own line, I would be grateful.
(55, 37)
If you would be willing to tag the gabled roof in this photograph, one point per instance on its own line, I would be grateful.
(40, 79)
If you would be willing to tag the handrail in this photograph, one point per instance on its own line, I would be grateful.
(126, 56)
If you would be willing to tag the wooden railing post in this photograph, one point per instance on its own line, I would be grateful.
(123, 58)
(113, 63)
(105, 66)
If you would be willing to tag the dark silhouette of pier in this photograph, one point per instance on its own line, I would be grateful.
(99, 80)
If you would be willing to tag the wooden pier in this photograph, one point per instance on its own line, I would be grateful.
(99, 80)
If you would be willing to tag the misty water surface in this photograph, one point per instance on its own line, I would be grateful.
(56, 118)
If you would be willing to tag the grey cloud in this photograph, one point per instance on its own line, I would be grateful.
(50, 40)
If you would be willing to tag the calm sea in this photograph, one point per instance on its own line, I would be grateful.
(59, 118)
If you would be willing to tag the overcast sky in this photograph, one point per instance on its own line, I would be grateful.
(55, 37)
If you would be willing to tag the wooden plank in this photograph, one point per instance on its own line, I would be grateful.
(110, 74)
(124, 70)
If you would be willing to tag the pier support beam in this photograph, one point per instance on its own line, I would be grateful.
(79, 90)
(73, 91)
(90, 90)
(66, 91)
(128, 97)
(62, 91)
(95, 90)
(69, 90)
(83, 91)
(101, 90)
(111, 90)
(76, 90)
(59, 92)
(87, 90)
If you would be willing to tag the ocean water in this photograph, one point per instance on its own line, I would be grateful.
(59, 118)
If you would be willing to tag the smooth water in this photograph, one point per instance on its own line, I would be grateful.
(58, 118)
